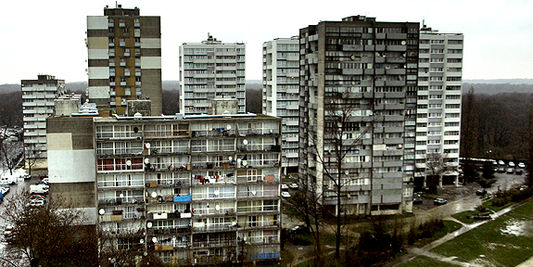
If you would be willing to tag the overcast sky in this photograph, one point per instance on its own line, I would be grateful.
(48, 36)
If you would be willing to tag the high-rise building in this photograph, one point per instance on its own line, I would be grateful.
(37, 104)
(358, 91)
(199, 189)
(208, 70)
(124, 59)
(439, 103)
(281, 68)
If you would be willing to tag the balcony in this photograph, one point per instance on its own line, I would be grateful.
(217, 243)
(168, 183)
(112, 83)
(120, 201)
(137, 83)
(123, 83)
(122, 63)
(122, 43)
(200, 227)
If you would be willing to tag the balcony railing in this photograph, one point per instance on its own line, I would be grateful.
(121, 201)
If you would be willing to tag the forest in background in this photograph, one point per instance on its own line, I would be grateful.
(500, 120)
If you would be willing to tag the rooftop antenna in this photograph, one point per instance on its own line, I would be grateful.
(116, 4)
(423, 23)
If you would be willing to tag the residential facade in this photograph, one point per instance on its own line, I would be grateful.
(439, 102)
(124, 59)
(281, 68)
(194, 189)
(37, 104)
(359, 77)
(208, 70)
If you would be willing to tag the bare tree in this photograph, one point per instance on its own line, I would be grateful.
(306, 204)
(10, 153)
(30, 157)
(435, 166)
(47, 235)
(341, 138)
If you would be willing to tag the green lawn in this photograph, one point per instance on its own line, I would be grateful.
(423, 261)
(500, 249)
(463, 216)
(449, 226)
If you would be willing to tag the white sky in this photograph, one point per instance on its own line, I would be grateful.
(48, 36)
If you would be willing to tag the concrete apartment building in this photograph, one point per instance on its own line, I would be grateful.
(439, 102)
(200, 189)
(37, 104)
(208, 70)
(281, 71)
(359, 77)
(124, 52)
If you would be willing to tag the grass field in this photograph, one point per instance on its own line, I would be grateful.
(489, 245)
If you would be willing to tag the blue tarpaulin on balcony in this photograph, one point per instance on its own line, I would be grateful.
(185, 198)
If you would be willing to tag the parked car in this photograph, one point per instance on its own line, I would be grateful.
(510, 170)
(417, 201)
(293, 186)
(284, 187)
(440, 201)
(45, 180)
(36, 202)
(501, 163)
(285, 194)
(38, 189)
(519, 171)
(299, 229)
(8, 180)
(521, 165)
(26, 176)
(511, 164)
(481, 192)
(8, 233)
(501, 170)
(36, 196)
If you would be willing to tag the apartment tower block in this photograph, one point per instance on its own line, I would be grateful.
(211, 70)
(124, 59)
(358, 92)
(37, 104)
(281, 88)
(439, 103)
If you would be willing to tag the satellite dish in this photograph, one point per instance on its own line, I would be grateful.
(154, 239)
(403, 42)
(147, 145)
(254, 192)
(244, 162)
(146, 161)
(121, 195)
(245, 142)
(154, 194)
(228, 126)
(101, 211)
(217, 192)
(128, 162)
(230, 158)
(217, 207)
(141, 241)
(149, 225)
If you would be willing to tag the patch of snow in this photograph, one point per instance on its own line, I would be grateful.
(516, 228)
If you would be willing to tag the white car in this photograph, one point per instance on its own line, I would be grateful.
(284, 187)
(285, 194)
(521, 165)
(36, 202)
(293, 186)
(501, 162)
(511, 164)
